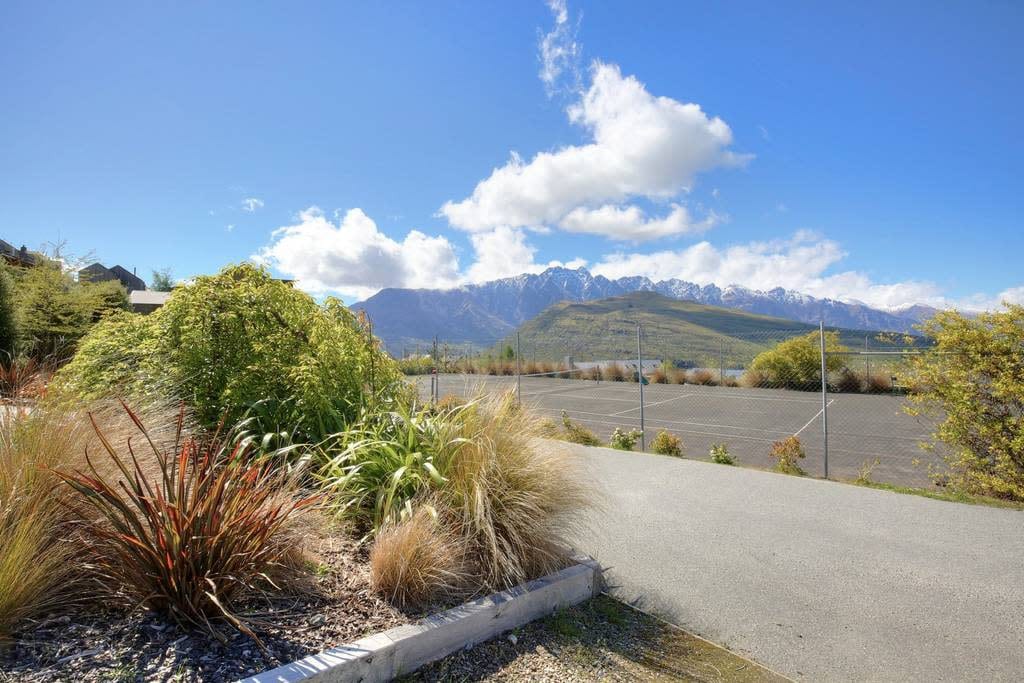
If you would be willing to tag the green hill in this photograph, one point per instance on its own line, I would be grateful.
(680, 332)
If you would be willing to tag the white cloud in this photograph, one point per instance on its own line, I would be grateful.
(630, 223)
(559, 51)
(799, 264)
(504, 252)
(643, 146)
(231, 227)
(252, 204)
(354, 258)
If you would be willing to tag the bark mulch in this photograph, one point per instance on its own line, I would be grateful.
(99, 643)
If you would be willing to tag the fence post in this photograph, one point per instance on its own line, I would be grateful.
(519, 376)
(824, 393)
(640, 383)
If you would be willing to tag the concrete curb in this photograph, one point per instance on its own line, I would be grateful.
(402, 650)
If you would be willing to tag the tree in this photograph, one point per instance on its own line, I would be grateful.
(55, 311)
(972, 384)
(162, 280)
(509, 353)
(9, 331)
(796, 362)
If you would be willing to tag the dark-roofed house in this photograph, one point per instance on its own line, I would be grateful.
(131, 281)
(17, 257)
(97, 272)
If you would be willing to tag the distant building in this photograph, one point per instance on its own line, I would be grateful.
(628, 365)
(97, 272)
(147, 301)
(17, 257)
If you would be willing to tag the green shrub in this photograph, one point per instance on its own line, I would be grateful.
(667, 444)
(972, 385)
(720, 454)
(416, 365)
(9, 326)
(788, 453)
(374, 469)
(796, 363)
(624, 441)
(55, 312)
(577, 433)
(240, 337)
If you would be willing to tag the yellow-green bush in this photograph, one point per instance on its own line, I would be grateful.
(972, 384)
(796, 363)
(233, 340)
(666, 443)
(787, 454)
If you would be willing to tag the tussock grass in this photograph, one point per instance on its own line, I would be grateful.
(418, 560)
(41, 549)
(702, 377)
(504, 499)
(513, 498)
(615, 373)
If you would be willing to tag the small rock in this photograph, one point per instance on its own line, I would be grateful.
(318, 620)
(512, 638)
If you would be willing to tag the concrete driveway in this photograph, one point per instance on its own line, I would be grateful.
(817, 580)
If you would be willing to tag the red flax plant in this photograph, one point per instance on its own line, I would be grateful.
(186, 534)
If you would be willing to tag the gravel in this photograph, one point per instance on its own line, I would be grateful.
(600, 640)
(104, 644)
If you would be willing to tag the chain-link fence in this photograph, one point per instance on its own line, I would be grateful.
(743, 392)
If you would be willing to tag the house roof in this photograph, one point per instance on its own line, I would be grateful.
(96, 268)
(148, 297)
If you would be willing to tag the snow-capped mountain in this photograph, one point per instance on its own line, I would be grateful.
(484, 313)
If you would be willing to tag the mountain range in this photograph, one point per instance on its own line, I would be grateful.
(481, 314)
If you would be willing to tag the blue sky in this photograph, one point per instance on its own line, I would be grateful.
(861, 151)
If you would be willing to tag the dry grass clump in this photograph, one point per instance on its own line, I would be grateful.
(848, 381)
(23, 378)
(677, 376)
(615, 373)
(592, 373)
(513, 498)
(417, 560)
(702, 377)
(34, 561)
(503, 500)
(659, 376)
(730, 381)
(878, 383)
(753, 379)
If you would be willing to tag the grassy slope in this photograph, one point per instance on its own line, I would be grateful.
(673, 330)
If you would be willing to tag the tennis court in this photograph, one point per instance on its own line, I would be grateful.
(862, 427)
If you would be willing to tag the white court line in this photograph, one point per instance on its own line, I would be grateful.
(816, 416)
(651, 405)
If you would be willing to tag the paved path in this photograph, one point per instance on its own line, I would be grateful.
(817, 580)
